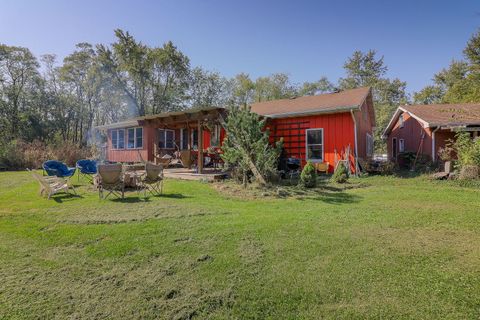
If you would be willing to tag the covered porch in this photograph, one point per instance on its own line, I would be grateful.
(191, 138)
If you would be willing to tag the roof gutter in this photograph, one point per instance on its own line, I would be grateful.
(356, 144)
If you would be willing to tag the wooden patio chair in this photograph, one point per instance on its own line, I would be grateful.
(111, 180)
(51, 185)
(152, 180)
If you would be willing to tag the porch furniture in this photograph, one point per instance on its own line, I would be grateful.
(322, 166)
(152, 180)
(165, 160)
(52, 185)
(111, 180)
(57, 168)
(86, 168)
(186, 158)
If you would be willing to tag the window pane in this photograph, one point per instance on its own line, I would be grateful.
(131, 138)
(139, 137)
(161, 139)
(114, 139)
(314, 137)
(195, 139)
(315, 152)
(121, 139)
(169, 139)
(184, 139)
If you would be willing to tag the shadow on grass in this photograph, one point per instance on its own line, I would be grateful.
(65, 197)
(173, 196)
(127, 199)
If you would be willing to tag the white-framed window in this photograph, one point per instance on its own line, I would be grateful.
(135, 138)
(118, 139)
(369, 145)
(401, 121)
(401, 145)
(184, 139)
(166, 139)
(314, 144)
(215, 136)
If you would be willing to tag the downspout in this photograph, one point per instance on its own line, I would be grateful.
(355, 131)
(433, 143)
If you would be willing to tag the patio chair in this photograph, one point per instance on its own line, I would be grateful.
(87, 168)
(110, 180)
(152, 180)
(322, 167)
(58, 169)
(186, 158)
(51, 185)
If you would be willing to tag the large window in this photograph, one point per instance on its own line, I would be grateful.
(195, 139)
(135, 138)
(369, 145)
(166, 139)
(314, 145)
(118, 139)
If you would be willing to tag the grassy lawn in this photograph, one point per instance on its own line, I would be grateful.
(392, 248)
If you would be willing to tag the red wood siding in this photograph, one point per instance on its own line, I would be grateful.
(412, 132)
(364, 126)
(131, 155)
(338, 134)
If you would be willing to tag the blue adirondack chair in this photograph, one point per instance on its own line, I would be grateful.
(87, 168)
(57, 168)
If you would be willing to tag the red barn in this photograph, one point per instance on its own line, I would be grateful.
(322, 128)
(424, 129)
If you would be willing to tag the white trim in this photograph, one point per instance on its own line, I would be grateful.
(322, 144)
(356, 144)
(135, 147)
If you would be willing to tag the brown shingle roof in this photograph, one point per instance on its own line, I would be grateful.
(447, 114)
(330, 102)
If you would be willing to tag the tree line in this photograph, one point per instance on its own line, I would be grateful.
(47, 100)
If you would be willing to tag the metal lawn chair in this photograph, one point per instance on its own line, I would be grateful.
(87, 169)
(110, 180)
(152, 180)
(51, 185)
(57, 168)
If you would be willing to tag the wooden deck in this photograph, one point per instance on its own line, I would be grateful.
(208, 174)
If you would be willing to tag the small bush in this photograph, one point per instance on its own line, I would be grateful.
(308, 177)
(469, 172)
(341, 174)
(387, 168)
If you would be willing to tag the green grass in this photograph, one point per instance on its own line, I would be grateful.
(389, 248)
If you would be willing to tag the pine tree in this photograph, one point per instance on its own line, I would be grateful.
(247, 148)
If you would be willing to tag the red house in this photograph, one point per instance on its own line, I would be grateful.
(322, 129)
(424, 129)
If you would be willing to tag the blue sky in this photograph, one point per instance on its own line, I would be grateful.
(306, 39)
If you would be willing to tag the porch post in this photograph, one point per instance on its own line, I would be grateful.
(200, 147)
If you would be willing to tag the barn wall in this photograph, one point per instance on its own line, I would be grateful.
(338, 131)
(411, 133)
(364, 126)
